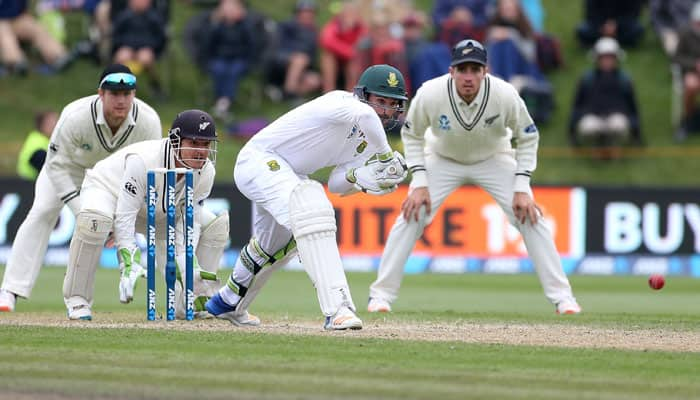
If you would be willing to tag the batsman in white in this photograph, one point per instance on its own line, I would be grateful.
(114, 200)
(291, 212)
(458, 130)
(88, 130)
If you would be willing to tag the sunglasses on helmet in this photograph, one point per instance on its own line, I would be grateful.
(120, 80)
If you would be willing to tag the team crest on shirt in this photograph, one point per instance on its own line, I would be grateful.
(444, 123)
(361, 147)
(488, 121)
(274, 165)
(86, 146)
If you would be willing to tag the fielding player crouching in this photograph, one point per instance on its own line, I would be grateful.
(113, 200)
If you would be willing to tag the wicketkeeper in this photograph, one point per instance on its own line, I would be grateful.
(114, 200)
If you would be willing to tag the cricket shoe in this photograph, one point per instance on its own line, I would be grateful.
(343, 319)
(377, 305)
(7, 301)
(217, 307)
(568, 306)
(80, 312)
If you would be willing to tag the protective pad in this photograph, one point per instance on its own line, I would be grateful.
(313, 225)
(91, 231)
(272, 264)
(212, 242)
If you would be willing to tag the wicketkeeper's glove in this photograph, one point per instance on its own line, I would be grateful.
(131, 270)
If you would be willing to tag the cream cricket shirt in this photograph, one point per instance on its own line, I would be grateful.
(469, 133)
(82, 137)
(335, 129)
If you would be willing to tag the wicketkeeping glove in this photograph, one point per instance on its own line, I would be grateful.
(131, 270)
(380, 175)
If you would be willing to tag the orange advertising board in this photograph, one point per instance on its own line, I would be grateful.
(469, 223)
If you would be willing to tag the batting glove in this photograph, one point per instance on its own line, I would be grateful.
(380, 175)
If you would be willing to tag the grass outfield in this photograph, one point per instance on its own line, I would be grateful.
(450, 337)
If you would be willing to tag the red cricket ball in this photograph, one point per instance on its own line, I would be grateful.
(656, 281)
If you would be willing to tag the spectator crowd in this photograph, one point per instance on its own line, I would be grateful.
(301, 56)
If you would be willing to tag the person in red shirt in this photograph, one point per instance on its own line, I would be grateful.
(337, 43)
(379, 46)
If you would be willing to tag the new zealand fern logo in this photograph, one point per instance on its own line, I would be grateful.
(392, 81)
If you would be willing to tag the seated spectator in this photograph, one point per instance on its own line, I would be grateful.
(104, 13)
(378, 46)
(294, 53)
(619, 19)
(230, 50)
(472, 13)
(337, 42)
(668, 17)
(138, 39)
(511, 44)
(33, 153)
(688, 58)
(18, 25)
(426, 60)
(605, 112)
(393, 10)
(464, 21)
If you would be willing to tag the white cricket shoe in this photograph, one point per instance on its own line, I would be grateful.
(376, 305)
(568, 307)
(241, 318)
(80, 312)
(343, 319)
(7, 301)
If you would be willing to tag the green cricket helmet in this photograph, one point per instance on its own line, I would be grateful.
(385, 81)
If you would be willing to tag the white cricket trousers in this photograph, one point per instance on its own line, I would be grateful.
(32, 239)
(496, 176)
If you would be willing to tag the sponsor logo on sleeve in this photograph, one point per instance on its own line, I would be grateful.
(530, 129)
(130, 188)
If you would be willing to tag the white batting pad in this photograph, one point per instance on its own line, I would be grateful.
(212, 242)
(313, 225)
(91, 231)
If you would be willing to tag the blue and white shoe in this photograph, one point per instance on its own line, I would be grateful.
(80, 312)
(217, 307)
